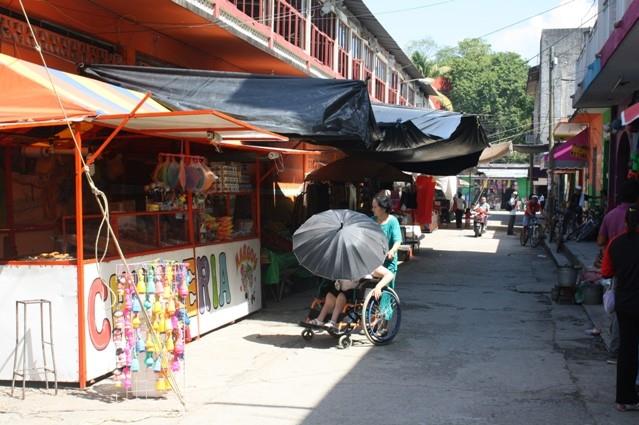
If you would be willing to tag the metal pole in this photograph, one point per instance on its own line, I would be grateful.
(531, 166)
(551, 136)
(79, 233)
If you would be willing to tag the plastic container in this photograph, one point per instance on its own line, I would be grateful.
(567, 276)
(592, 294)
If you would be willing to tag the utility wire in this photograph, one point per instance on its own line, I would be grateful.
(525, 19)
(100, 197)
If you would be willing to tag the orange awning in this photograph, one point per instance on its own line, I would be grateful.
(201, 125)
(29, 98)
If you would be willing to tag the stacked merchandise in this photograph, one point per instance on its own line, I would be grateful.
(151, 326)
(229, 174)
(225, 228)
(245, 178)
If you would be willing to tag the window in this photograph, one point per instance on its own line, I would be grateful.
(356, 47)
(380, 70)
(369, 57)
(343, 33)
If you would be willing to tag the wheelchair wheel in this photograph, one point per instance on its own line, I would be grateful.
(344, 342)
(307, 334)
(382, 317)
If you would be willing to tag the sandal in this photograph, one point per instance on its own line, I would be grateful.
(315, 322)
(626, 407)
(330, 325)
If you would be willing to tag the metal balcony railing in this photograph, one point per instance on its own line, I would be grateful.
(342, 64)
(392, 96)
(357, 69)
(380, 90)
(252, 8)
(289, 23)
(322, 46)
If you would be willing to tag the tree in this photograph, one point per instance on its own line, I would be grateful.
(490, 84)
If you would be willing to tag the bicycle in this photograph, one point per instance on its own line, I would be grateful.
(532, 232)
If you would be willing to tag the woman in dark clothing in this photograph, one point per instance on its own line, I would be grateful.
(621, 260)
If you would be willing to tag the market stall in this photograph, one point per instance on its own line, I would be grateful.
(182, 187)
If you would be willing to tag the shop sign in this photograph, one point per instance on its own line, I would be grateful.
(225, 286)
(579, 152)
(228, 282)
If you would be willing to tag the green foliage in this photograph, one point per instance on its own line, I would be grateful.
(513, 158)
(490, 84)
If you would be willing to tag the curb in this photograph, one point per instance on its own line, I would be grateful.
(599, 318)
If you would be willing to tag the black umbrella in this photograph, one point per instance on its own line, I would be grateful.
(340, 244)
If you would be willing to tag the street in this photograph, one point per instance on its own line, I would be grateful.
(480, 343)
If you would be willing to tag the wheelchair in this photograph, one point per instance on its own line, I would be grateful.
(379, 319)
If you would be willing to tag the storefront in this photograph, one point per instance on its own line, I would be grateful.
(181, 186)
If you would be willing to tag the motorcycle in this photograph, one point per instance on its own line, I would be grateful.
(479, 222)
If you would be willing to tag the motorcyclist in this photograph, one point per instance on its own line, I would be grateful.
(532, 208)
(481, 212)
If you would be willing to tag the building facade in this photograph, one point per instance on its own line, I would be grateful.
(318, 38)
(608, 78)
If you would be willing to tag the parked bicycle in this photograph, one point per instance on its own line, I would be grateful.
(589, 228)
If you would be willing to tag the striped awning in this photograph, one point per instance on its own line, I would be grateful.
(32, 96)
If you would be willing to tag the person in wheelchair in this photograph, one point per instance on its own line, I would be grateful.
(337, 294)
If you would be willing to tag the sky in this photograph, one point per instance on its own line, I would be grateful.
(449, 21)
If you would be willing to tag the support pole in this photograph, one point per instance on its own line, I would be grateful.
(258, 183)
(115, 132)
(189, 204)
(531, 166)
(11, 250)
(551, 137)
(79, 236)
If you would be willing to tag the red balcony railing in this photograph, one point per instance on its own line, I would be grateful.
(289, 23)
(357, 69)
(322, 46)
(367, 75)
(252, 8)
(380, 90)
(342, 65)
(392, 96)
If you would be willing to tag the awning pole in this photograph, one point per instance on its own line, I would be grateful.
(79, 237)
(114, 133)
(12, 249)
(189, 204)
(530, 173)
(258, 196)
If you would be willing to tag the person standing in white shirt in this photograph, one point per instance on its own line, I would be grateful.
(513, 205)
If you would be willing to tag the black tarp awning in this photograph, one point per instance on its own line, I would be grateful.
(428, 141)
(326, 112)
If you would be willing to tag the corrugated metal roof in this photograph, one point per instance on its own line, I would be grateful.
(368, 20)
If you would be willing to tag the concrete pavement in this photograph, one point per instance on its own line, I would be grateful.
(480, 343)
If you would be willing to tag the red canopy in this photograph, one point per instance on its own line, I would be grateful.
(630, 114)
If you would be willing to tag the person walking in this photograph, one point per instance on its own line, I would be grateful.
(621, 261)
(458, 206)
(613, 225)
(512, 206)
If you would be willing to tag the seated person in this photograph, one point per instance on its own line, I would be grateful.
(341, 290)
